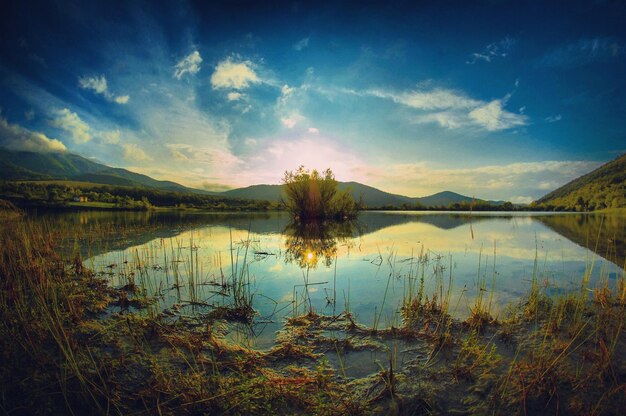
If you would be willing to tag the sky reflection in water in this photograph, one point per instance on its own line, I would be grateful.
(354, 265)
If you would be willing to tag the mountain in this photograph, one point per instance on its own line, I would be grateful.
(67, 166)
(370, 196)
(444, 199)
(272, 193)
(373, 197)
(605, 187)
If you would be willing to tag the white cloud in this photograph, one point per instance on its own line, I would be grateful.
(185, 136)
(500, 49)
(302, 44)
(71, 123)
(178, 151)
(15, 137)
(222, 159)
(251, 142)
(133, 152)
(289, 104)
(521, 199)
(292, 120)
(446, 119)
(122, 99)
(236, 75)
(290, 123)
(436, 99)
(452, 109)
(313, 130)
(188, 65)
(547, 185)
(552, 119)
(99, 86)
(491, 181)
(234, 96)
(492, 117)
(286, 90)
(111, 136)
(583, 52)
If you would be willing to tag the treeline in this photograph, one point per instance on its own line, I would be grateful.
(63, 195)
(457, 206)
(603, 188)
(591, 197)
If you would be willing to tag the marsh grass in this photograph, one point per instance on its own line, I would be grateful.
(73, 349)
(63, 352)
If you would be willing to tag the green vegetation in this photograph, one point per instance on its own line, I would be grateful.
(82, 195)
(21, 165)
(8, 210)
(601, 233)
(61, 355)
(71, 342)
(70, 170)
(603, 188)
(375, 199)
(314, 196)
(477, 205)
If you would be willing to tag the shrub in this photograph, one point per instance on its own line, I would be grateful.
(314, 196)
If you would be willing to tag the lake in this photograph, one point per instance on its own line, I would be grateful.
(366, 267)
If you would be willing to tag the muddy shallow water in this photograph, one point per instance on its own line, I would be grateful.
(187, 261)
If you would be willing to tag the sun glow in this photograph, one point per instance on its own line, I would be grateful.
(314, 153)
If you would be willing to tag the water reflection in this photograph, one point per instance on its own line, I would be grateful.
(306, 244)
(603, 234)
(189, 258)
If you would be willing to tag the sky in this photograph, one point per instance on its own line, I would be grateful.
(497, 99)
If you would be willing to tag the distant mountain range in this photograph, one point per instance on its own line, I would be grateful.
(604, 187)
(370, 196)
(67, 166)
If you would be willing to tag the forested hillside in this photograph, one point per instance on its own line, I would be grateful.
(605, 187)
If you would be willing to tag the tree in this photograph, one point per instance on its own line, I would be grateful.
(311, 196)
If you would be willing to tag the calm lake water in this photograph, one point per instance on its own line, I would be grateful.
(365, 267)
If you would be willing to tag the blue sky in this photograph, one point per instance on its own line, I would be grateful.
(498, 99)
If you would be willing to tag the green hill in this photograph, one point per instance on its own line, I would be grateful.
(605, 187)
(68, 166)
(373, 197)
(272, 193)
(71, 167)
(370, 196)
(443, 199)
